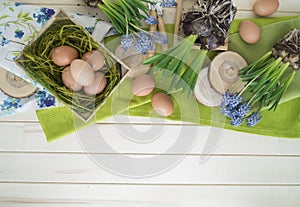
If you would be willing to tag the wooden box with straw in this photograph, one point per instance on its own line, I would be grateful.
(36, 60)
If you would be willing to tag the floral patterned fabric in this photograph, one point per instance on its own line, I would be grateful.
(41, 99)
(19, 23)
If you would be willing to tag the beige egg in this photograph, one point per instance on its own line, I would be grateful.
(95, 58)
(97, 86)
(142, 85)
(249, 31)
(69, 81)
(162, 104)
(63, 55)
(265, 7)
(82, 72)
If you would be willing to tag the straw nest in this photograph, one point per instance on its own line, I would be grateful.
(35, 59)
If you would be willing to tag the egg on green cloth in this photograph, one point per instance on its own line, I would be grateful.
(162, 104)
(142, 85)
(249, 31)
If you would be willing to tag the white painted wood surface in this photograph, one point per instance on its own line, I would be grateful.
(244, 170)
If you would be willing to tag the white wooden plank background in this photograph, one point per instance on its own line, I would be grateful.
(244, 170)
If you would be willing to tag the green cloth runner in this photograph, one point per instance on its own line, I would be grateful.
(284, 122)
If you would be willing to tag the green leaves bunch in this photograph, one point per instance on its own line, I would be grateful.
(179, 64)
(125, 15)
(269, 77)
(265, 82)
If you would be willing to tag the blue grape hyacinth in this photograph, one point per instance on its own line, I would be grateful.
(241, 110)
(150, 20)
(231, 100)
(253, 119)
(237, 120)
(126, 41)
(159, 38)
(168, 3)
(143, 40)
(144, 43)
(233, 108)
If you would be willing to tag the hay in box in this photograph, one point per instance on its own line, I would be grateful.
(35, 59)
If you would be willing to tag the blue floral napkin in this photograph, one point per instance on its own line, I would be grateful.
(19, 23)
(39, 100)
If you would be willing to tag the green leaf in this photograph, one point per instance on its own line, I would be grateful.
(173, 84)
(114, 6)
(174, 62)
(26, 14)
(114, 19)
(11, 9)
(4, 17)
(28, 18)
(164, 62)
(137, 5)
(154, 58)
(124, 8)
(20, 14)
(133, 11)
(198, 61)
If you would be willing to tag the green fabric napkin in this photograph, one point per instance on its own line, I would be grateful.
(284, 122)
(269, 36)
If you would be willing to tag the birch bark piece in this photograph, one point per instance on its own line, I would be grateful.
(15, 86)
(204, 92)
(223, 71)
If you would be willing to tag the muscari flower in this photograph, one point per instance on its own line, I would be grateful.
(237, 120)
(241, 110)
(159, 38)
(253, 119)
(139, 47)
(168, 3)
(150, 20)
(226, 110)
(235, 100)
(226, 99)
(232, 107)
(126, 41)
(19, 33)
(231, 100)
(144, 43)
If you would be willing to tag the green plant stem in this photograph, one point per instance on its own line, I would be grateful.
(284, 87)
(125, 14)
